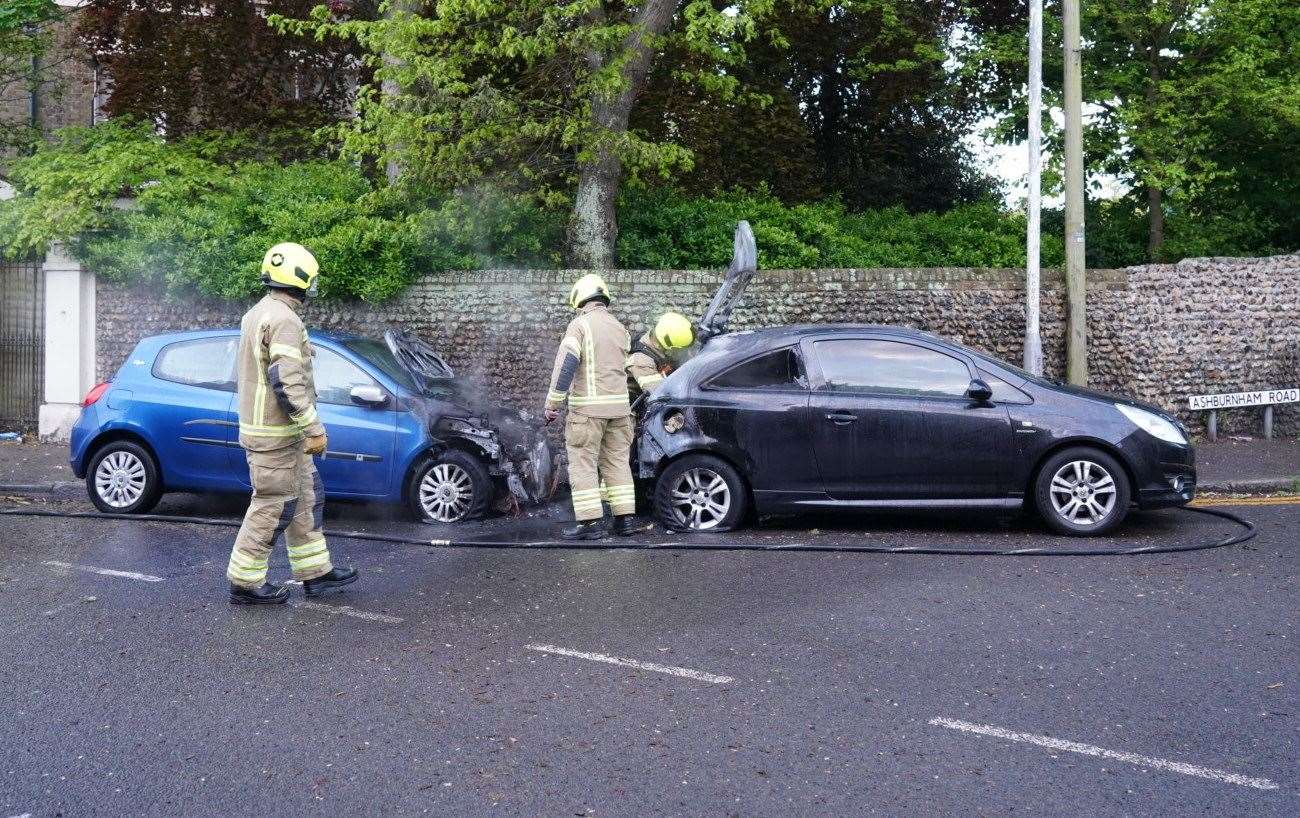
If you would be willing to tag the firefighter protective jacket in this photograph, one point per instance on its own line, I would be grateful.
(647, 366)
(277, 395)
(589, 365)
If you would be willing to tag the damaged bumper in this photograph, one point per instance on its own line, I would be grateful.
(518, 455)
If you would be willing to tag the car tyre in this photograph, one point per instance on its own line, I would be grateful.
(449, 487)
(123, 478)
(700, 493)
(1082, 492)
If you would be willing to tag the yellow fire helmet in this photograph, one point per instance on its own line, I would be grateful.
(290, 266)
(674, 331)
(587, 288)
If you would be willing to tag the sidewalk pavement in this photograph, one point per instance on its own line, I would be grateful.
(32, 466)
(1250, 465)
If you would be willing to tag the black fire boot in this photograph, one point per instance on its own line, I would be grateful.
(267, 594)
(336, 578)
(625, 525)
(586, 530)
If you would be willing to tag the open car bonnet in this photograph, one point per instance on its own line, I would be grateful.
(744, 264)
(420, 360)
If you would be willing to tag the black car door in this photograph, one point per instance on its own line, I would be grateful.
(758, 411)
(891, 421)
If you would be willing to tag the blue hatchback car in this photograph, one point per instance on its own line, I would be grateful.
(402, 428)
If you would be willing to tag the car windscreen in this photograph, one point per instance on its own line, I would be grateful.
(981, 357)
(377, 354)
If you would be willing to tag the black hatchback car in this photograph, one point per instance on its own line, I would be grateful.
(798, 418)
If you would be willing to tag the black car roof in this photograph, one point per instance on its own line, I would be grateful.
(796, 332)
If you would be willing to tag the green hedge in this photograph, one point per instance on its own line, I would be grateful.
(662, 230)
(205, 209)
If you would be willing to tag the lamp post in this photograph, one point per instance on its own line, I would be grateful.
(1076, 328)
(1033, 359)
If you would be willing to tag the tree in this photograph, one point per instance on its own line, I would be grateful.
(534, 96)
(26, 34)
(886, 116)
(193, 65)
(1196, 107)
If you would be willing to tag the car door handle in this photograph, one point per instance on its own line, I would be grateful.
(841, 418)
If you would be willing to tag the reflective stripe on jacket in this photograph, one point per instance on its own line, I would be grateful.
(599, 385)
(277, 394)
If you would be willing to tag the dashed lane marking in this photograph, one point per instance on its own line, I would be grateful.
(107, 572)
(348, 610)
(682, 672)
(1271, 500)
(1100, 752)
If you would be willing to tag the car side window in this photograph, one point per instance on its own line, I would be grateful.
(891, 368)
(776, 370)
(204, 362)
(1004, 392)
(335, 376)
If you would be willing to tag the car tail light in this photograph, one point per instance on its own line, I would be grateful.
(96, 392)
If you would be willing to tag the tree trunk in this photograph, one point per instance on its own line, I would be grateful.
(1155, 223)
(593, 228)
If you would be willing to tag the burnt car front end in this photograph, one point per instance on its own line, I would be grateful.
(458, 413)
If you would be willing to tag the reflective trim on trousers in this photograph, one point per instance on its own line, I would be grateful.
(309, 555)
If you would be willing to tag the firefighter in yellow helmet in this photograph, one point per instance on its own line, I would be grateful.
(589, 375)
(658, 352)
(280, 432)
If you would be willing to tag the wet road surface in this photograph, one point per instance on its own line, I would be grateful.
(632, 682)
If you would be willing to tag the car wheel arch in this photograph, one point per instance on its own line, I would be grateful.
(110, 436)
(705, 450)
(433, 450)
(1079, 442)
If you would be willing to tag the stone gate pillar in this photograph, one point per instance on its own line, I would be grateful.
(69, 342)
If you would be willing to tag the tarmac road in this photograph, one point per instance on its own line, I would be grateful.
(497, 682)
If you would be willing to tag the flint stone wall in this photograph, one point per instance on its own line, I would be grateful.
(1157, 332)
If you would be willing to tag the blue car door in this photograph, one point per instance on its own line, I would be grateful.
(188, 409)
(360, 456)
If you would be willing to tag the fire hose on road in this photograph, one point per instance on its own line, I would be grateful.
(1247, 531)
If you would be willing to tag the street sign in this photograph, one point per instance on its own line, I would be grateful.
(1262, 397)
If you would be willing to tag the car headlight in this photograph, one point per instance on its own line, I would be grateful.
(1152, 424)
(673, 422)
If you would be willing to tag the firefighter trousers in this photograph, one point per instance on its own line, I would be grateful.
(600, 468)
(287, 498)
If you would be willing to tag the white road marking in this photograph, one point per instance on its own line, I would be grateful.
(683, 672)
(1100, 752)
(348, 610)
(108, 572)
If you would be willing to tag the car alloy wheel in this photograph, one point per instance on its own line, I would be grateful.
(120, 479)
(1083, 493)
(700, 499)
(446, 492)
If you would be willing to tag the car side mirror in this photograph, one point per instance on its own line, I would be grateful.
(979, 391)
(371, 396)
